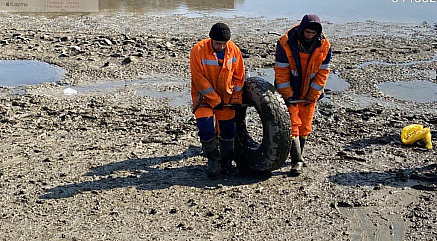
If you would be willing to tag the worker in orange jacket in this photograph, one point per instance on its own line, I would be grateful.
(301, 70)
(217, 78)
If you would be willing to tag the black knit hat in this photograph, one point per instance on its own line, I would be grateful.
(220, 32)
(314, 26)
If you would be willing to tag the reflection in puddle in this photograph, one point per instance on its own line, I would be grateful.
(421, 91)
(28, 72)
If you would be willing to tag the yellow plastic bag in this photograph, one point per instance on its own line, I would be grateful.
(416, 133)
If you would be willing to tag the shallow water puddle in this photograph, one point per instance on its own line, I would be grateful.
(432, 74)
(175, 98)
(334, 82)
(144, 87)
(147, 87)
(420, 91)
(373, 223)
(362, 101)
(268, 74)
(105, 86)
(364, 227)
(373, 62)
(28, 72)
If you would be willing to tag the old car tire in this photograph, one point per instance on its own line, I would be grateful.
(271, 153)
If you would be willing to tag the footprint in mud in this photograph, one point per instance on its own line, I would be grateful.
(379, 221)
(364, 228)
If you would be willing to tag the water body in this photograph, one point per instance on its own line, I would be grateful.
(147, 87)
(334, 82)
(432, 74)
(28, 72)
(397, 64)
(420, 91)
(142, 87)
(413, 11)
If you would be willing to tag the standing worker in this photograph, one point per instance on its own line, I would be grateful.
(301, 70)
(217, 78)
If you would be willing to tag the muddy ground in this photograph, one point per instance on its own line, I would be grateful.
(119, 165)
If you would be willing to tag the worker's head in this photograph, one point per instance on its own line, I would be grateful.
(313, 29)
(220, 35)
(310, 27)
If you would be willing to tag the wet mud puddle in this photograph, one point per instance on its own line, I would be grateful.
(420, 91)
(417, 90)
(397, 64)
(18, 75)
(334, 82)
(28, 72)
(371, 222)
(362, 225)
(175, 91)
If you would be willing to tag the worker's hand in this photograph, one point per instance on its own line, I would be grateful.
(219, 106)
(307, 103)
(288, 102)
(235, 106)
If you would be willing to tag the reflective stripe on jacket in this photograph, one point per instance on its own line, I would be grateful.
(213, 82)
(290, 79)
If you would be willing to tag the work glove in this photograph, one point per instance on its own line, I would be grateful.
(219, 106)
(235, 106)
(288, 102)
(310, 99)
(308, 103)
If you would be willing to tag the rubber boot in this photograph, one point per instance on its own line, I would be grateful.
(210, 148)
(227, 156)
(302, 140)
(296, 158)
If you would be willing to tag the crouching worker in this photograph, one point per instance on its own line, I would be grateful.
(301, 70)
(217, 78)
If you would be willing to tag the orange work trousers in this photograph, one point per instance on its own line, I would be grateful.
(301, 117)
(220, 115)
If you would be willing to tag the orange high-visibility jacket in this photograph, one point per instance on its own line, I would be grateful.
(213, 82)
(308, 81)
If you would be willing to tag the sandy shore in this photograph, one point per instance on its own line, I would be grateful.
(119, 165)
